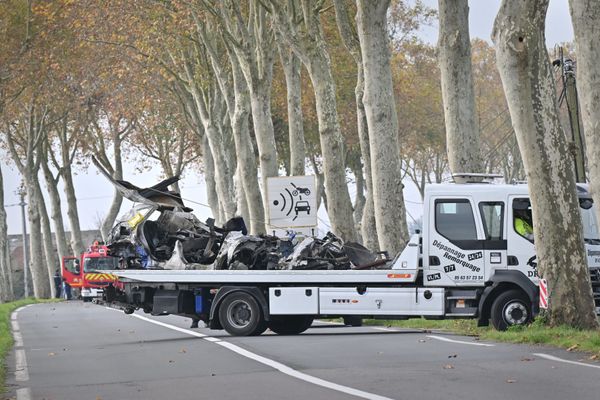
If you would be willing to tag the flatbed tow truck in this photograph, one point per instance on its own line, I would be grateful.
(468, 262)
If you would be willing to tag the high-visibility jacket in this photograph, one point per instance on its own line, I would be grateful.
(522, 227)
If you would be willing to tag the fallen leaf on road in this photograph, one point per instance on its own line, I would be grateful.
(511, 380)
(51, 354)
(448, 366)
(212, 374)
(594, 357)
(422, 340)
(453, 356)
(573, 347)
(98, 398)
(182, 351)
(171, 361)
(527, 359)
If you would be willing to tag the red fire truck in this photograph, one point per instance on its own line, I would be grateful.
(91, 279)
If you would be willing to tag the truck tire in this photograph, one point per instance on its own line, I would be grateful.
(241, 315)
(510, 308)
(352, 320)
(290, 324)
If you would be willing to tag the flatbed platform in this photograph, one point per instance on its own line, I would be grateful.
(387, 276)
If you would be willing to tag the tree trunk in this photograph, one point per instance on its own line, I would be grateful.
(293, 81)
(209, 178)
(48, 245)
(332, 146)
(529, 86)
(77, 245)
(245, 150)
(56, 215)
(37, 266)
(368, 225)
(586, 24)
(462, 127)
(6, 287)
(115, 206)
(240, 196)
(349, 36)
(380, 109)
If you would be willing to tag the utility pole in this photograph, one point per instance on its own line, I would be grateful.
(25, 246)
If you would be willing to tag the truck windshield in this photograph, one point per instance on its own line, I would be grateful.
(100, 263)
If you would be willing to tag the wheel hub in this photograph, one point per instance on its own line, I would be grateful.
(239, 314)
(515, 313)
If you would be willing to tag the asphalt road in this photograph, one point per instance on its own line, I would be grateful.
(79, 351)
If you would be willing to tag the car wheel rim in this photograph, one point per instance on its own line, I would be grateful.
(239, 314)
(515, 313)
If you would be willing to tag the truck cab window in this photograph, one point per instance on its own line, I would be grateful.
(454, 219)
(522, 218)
(492, 214)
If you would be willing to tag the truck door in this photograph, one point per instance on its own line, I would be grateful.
(520, 236)
(71, 271)
(455, 255)
(494, 248)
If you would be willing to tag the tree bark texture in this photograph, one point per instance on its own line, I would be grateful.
(528, 82)
(380, 109)
(37, 265)
(50, 256)
(208, 110)
(117, 201)
(6, 287)
(77, 245)
(292, 69)
(56, 213)
(585, 15)
(458, 95)
(68, 146)
(209, 178)
(368, 227)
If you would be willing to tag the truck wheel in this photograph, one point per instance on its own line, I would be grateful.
(353, 320)
(290, 324)
(510, 308)
(240, 315)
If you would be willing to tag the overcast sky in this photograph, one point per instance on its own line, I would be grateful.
(95, 193)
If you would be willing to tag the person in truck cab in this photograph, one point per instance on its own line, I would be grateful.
(523, 224)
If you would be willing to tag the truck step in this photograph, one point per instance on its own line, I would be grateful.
(470, 314)
(461, 297)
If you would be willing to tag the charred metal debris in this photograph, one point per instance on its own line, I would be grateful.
(160, 232)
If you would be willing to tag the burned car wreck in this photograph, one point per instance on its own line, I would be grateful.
(160, 232)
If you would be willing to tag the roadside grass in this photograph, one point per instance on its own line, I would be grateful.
(535, 333)
(6, 338)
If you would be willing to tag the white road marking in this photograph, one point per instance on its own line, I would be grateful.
(271, 363)
(24, 394)
(18, 338)
(553, 358)
(300, 375)
(386, 329)
(443, 339)
(173, 327)
(21, 371)
(15, 325)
